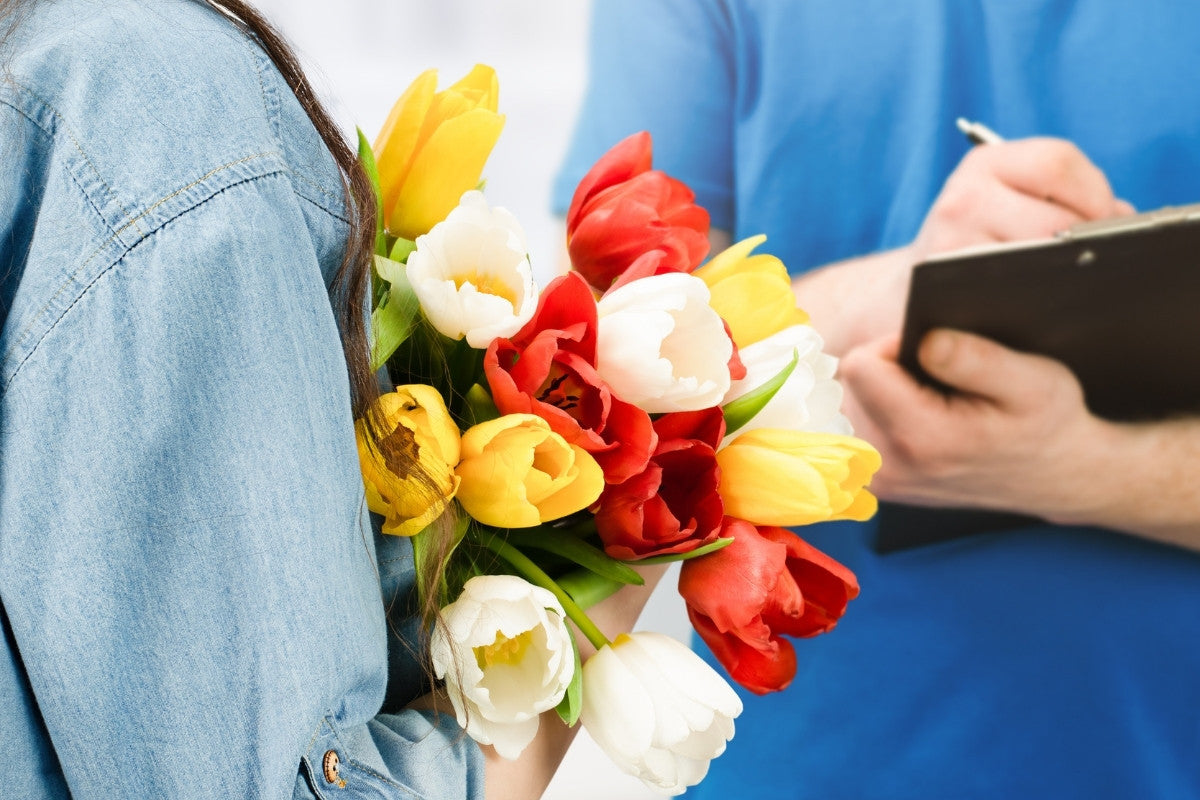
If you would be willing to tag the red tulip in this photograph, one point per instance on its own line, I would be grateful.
(548, 369)
(673, 506)
(769, 583)
(622, 209)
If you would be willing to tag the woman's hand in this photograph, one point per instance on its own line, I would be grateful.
(527, 777)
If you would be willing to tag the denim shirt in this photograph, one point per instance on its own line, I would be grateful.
(192, 598)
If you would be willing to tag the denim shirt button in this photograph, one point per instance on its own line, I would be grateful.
(330, 765)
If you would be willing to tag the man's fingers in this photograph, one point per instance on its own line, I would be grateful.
(1014, 215)
(1054, 170)
(1125, 208)
(882, 389)
(981, 367)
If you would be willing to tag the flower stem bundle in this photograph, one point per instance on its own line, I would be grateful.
(641, 408)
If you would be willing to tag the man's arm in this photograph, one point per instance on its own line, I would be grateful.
(1017, 436)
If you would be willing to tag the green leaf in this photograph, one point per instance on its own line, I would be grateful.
(480, 407)
(392, 271)
(425, 549)
(572, 702)
(531, 572)
(391, 323)
(703, 550)
(587, 588)
(367, 156)
(393, 320)
(402, 249)
(578, 552)
(740, 411)
(465, 365)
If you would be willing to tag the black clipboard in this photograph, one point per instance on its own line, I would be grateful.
(1117, 301)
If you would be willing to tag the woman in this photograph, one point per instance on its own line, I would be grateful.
(189, 584)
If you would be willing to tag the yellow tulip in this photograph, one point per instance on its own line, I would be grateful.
(408, 474)
(517, 473)
(433, 147)
(771, 476)
(752, 293)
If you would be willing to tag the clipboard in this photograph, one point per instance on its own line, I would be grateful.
(1117, 301)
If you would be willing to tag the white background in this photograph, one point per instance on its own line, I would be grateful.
(361, 54)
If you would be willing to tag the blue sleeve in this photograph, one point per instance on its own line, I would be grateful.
(190, 589)
(666, 66)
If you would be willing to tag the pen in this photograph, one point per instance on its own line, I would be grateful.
(977, 132)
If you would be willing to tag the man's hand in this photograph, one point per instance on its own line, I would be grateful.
(1024, 189)
(1015, 435)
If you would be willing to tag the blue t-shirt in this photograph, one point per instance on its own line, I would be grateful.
(1038, 662)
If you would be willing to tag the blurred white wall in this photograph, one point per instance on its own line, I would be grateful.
(361, 54)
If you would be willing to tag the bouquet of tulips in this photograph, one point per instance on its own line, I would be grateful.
(641, 408)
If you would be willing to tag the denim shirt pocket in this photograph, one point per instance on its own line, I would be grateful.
(333, 772)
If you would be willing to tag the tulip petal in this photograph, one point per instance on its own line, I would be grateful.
(448, 164)
(397, 139)
(728, 262)
(622, 210)
(631, 156)
(506, 655)
(481, 82)
(509, 739)
(580, 491)
(617, 710)
(751, 293)
(661, 346)
(657, 709)
(823, 475)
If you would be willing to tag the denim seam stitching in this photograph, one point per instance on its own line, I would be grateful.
(121, 255)
(307, 759)
(319, 187)
(61, 122)
(269, 97)
(50, 133)
(20, 338)
(335, 213)
(273, 109)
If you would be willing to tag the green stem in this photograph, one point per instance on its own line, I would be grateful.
(534, 574)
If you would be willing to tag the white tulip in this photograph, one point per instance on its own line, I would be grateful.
(657, 709)
(660, 346)
(505, 653)
(809, 400)
(471, 273)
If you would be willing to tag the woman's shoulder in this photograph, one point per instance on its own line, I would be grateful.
(152, 97)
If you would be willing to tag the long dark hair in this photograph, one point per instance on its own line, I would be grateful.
(351, 283)
(349, 288)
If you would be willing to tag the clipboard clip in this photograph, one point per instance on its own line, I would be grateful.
(1159, 218)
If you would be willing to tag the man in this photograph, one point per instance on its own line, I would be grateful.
(1042, 660)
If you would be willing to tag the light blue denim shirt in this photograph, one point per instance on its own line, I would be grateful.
(193, 600)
